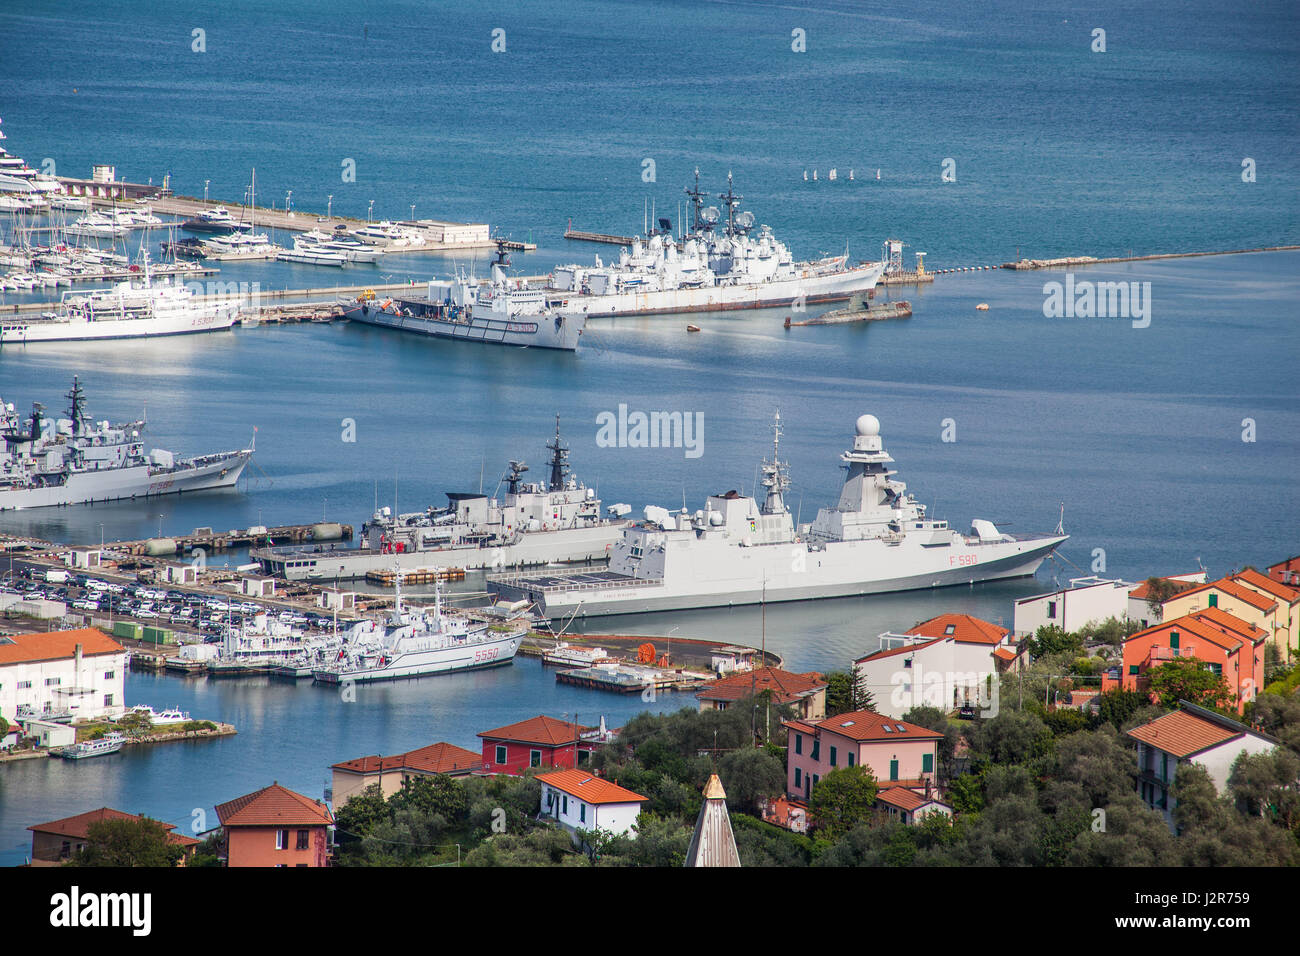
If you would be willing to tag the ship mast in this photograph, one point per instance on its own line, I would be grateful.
(775, 479)
(559, 459)
(697, 203)
(732, 199)
(77, 405)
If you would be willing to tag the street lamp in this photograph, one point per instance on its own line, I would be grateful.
(287, 200)
(412, 212)
(371, 212)
(329, 207)
(160, 521)
(205, 189)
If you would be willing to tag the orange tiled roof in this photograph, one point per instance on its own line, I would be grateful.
(867, 725)
(1253, 579)
(435, 758)
(78, 827)
(1004, 654)
(538, 730)
(965, 629)
(1227, 622)
(1183, 733)
(56, 645)
(589, 788)
(902, 798)
(1231, 587)
(273, 806)
(785, 686)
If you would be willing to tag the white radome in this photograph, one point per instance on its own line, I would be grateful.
(868, 426)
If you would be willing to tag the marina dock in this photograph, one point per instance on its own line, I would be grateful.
(571, 233)
(387, 578)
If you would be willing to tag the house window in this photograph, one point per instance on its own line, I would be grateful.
(851, 758)
(304, 839)
(108, 700)
(798, 778)
(109, 675)
(282, 839)
(583, 757)
(833, 756)
(24, 685)
(1173, 639)
(927, 763)
(1214, 600)
(501, 754)
(817, 749)
(582, 812)
(53, 681)
(534, 758)
(564, 805)
(1051, 610)
(893, 770)
(950, 629)
(798, 743)
(816, 779)
(1132, 669)
(1217, 668)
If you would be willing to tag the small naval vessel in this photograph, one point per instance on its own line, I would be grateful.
(501, 312)
(547, 522)
(738, 264)
(75, 460)
(419, 643)
(877, 538)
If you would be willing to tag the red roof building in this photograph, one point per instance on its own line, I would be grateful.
(56, 842)
(353, 776)
(962, 628)
(275, 827)
(895, 751)
(1286, 572)
(539, 742)
(1224, 643)
(805, 692)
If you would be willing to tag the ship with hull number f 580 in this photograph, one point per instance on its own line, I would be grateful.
(876, 539)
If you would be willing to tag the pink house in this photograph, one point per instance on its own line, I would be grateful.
(895, 751)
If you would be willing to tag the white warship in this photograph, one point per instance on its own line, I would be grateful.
(499, 312)
(714, 267)
(419, 643)
(877, 538)
(537, 523)
(75, 460)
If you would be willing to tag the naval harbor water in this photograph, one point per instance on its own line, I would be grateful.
(1057, 151)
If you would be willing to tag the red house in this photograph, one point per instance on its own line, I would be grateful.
(56, 842)
(1286, 572)
(539, 742)
(1224, 643)
(275, 827)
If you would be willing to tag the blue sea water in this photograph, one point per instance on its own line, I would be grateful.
(1138, 432)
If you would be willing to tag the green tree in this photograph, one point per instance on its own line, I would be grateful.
(437, 793)
(1050, 639)
(1160, 590)
(842, 799)
(841, 693)
(1117, 706)
(1186, 678)
(361, 813)
(142, 842)
(750, 777)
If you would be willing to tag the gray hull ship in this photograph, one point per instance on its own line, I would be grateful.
(47, 462)
(736, 551)
(537, 523)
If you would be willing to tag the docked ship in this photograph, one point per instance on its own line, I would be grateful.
(75, 460)
(216, 221)
(420, 643)
(110, 743)
(500, 312)
(130, 309)
(554, 521)
(716, 266)
(878, 538)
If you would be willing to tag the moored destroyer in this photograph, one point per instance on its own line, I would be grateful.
(75, 460)
(546, 522)
(877, 538)
(718, 265)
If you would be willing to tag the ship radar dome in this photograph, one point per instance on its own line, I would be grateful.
(868, 426)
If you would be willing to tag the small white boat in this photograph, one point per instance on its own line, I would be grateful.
(108, 744)
(157, 717)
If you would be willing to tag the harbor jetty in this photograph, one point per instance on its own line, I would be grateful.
(857, 312)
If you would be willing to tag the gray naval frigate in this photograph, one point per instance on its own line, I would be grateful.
(877, 538)
(74, 460)
(537, 523)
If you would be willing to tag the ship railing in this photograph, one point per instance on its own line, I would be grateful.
(524, 582)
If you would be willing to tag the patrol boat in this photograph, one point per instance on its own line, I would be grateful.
(553, 521)
(419, 643)
(75, 460)
(716, 266)
(878, 538)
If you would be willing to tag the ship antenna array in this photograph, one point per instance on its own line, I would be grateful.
(559, 459)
